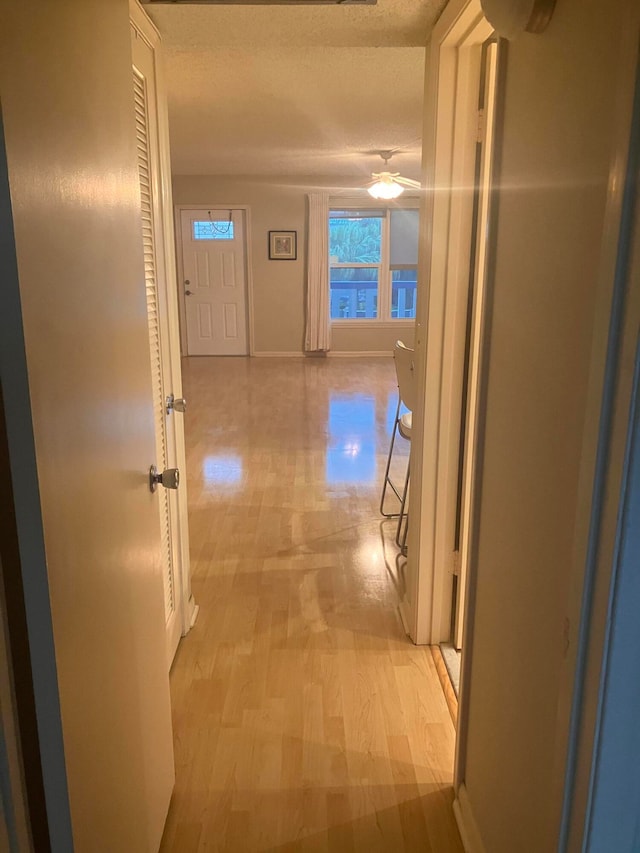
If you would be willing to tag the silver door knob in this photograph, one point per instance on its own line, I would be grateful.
(170, 478)
(179, 404)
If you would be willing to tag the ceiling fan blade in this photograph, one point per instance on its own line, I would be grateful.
(408, 182)
(376, 176)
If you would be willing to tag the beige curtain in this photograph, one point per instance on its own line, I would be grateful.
(318, 330)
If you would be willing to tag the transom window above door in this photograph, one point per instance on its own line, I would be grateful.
(373, 260)
(213, 229)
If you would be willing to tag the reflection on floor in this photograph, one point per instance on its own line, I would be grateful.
(304, 718)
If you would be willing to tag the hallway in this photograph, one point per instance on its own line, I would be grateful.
(304, 718)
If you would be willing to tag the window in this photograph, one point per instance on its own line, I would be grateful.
(213, 229)
(373, 257)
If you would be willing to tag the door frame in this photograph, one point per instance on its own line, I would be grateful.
(452, 72)
(482, 226)
(248, 267)
(146, 30)
(600, 562)
(27, 620)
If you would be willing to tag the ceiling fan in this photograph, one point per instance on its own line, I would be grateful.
(388, 185)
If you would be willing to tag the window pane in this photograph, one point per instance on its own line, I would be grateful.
(403, 294)
(404, 237)
(354, 293)
(213, 230)
(355, 241)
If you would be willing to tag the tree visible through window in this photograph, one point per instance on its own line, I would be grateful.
(355, 240)
(373, 259)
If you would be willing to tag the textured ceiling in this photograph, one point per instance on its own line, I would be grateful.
(295, 90)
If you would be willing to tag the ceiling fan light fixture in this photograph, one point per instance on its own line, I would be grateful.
(385, 188)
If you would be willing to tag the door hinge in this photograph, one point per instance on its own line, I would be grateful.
(456, 563)
(480, 128)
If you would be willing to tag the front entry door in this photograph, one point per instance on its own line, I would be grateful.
(214, 281)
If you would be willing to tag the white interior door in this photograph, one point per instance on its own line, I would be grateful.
(168, 426)
(214, 281)
(77, 239)
(470, 416)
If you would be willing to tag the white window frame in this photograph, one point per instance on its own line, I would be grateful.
(385, 275)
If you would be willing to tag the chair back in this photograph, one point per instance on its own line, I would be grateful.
(403, 357)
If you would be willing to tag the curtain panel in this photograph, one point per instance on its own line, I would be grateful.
(318, 329)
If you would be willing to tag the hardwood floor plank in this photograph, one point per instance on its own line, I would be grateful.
(304, 718)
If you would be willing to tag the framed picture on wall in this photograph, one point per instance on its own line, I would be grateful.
(283, 245)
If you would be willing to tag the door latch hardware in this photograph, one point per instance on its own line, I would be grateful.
(179, 404)
(170, 478)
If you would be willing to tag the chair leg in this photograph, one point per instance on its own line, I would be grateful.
(403, 546)
(403, 518)
(387, 478)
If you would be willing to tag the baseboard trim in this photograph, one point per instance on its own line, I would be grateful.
(278, 354)
(467, 826)
(331, 354)
(445, 683)
(364, 354)
(191, 614)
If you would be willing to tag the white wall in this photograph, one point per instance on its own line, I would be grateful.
(556, 146)
(279, 286)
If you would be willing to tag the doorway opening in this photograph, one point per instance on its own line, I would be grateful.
(215, 286)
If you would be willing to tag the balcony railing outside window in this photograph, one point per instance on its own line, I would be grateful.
(354, 293)
(403, 294)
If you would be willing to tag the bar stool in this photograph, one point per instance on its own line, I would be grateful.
(403, 357)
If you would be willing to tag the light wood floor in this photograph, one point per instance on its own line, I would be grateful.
(304, 718)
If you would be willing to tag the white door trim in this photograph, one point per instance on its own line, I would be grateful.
(476, 324)
(147, 30)
(246, 210)
(447, 210)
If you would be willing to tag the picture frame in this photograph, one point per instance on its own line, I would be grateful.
(283, 245)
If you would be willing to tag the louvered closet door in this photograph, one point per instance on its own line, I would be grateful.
(166, 498)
